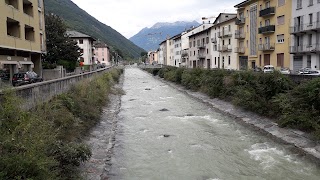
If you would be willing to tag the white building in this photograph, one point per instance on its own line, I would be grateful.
(223, 38)
(176, 50)
(164, 53)
(85, 42)
(305, 31)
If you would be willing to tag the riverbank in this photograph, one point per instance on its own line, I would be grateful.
(46, 142)
(300, 141)
(102, 137)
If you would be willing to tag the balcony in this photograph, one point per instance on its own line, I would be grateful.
(223, 34)
(214, 40)
(240, 21)
(239, 34)
(301, 29)
(201, 46)
(267, 29)
(184, 53)
(201, 56)
(267, 12)
(306, 49)
(225, 48)
(240, 50)
(267, 47)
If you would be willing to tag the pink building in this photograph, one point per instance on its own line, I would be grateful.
(102, 54)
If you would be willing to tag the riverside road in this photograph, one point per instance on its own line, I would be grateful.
(163, 134)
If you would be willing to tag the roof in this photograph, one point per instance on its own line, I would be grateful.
(76, 34)
(215, 21)
(176, 36)
(242, 3)
(100, 45)
(205, 30)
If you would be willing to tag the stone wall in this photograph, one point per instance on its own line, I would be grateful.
(44, 91)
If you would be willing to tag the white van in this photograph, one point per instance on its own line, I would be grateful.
(268, 69)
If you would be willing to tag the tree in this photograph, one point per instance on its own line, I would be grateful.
(61, 50)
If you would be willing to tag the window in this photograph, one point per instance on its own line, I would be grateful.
(310, 39)
(310, 18)
(207, 51)
(190, 44)
(29, 33)
(215, 60)
(310, 2)
(299, 4)
(13, 3)
(229, 41)
(281, 2)
(229, 60)
(194, 43)
(281, 20)
(13, 28)
(207, 40)
(80, 41)
(81, 50)
(28, 8)
(280, 38)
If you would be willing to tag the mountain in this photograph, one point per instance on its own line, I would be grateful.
(79, 20)
(150, 38)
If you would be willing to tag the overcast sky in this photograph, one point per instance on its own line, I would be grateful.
(130, 16)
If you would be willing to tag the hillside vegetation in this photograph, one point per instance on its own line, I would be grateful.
(79, 20)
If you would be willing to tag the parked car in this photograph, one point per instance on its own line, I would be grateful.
(23, 78)
(268, 69)
(285, 71)
(304, 71)
(257, 69)
(313, 73)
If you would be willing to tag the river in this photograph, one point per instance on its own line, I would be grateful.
(163, 134)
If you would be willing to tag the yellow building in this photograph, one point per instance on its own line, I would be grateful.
(263, 33)
(22, 35)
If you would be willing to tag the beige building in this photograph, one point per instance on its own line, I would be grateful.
(22, 35)
(263, 33)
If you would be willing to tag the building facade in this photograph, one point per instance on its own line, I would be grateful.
(305, 33)
(177, 50)
(153, 57)
(164, 52)
(102, 54)
(263, 27)
(22, 36)
(85, 43)
(224, 41)
(199, 49)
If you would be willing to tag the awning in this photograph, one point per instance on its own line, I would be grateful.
(25, 62)
(8, 62)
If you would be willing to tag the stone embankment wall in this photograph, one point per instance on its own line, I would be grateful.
(44, 91)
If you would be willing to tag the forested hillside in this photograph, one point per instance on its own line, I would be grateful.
(79, 20)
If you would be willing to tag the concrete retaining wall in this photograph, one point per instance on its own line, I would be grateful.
(44, 91)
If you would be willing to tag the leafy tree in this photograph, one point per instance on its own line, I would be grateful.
(61, 50)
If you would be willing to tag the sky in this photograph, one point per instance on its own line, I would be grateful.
(128, 17)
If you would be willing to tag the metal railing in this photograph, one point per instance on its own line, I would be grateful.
(267, 47)
(305, 27)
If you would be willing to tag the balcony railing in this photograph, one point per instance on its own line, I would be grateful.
(267, 12)
(240, 50)
(201, 46)
(315, 26)
(223, 34)
(239, 34)
(240, 21)
(305, 49)
(184, 53)
(225, 48)
(267, 29)
(267, 47)
(201, 56)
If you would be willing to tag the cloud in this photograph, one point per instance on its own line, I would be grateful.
(130, 16)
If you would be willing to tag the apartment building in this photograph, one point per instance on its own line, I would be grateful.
(153, 57)
(263, 37)
(164, 53)
(224, 42)
(176, 50)
(199, 46)
(22, 35)
(102, 54)
(85, 43)
(305, 33)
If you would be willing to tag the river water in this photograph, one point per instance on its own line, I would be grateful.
(164, 134)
